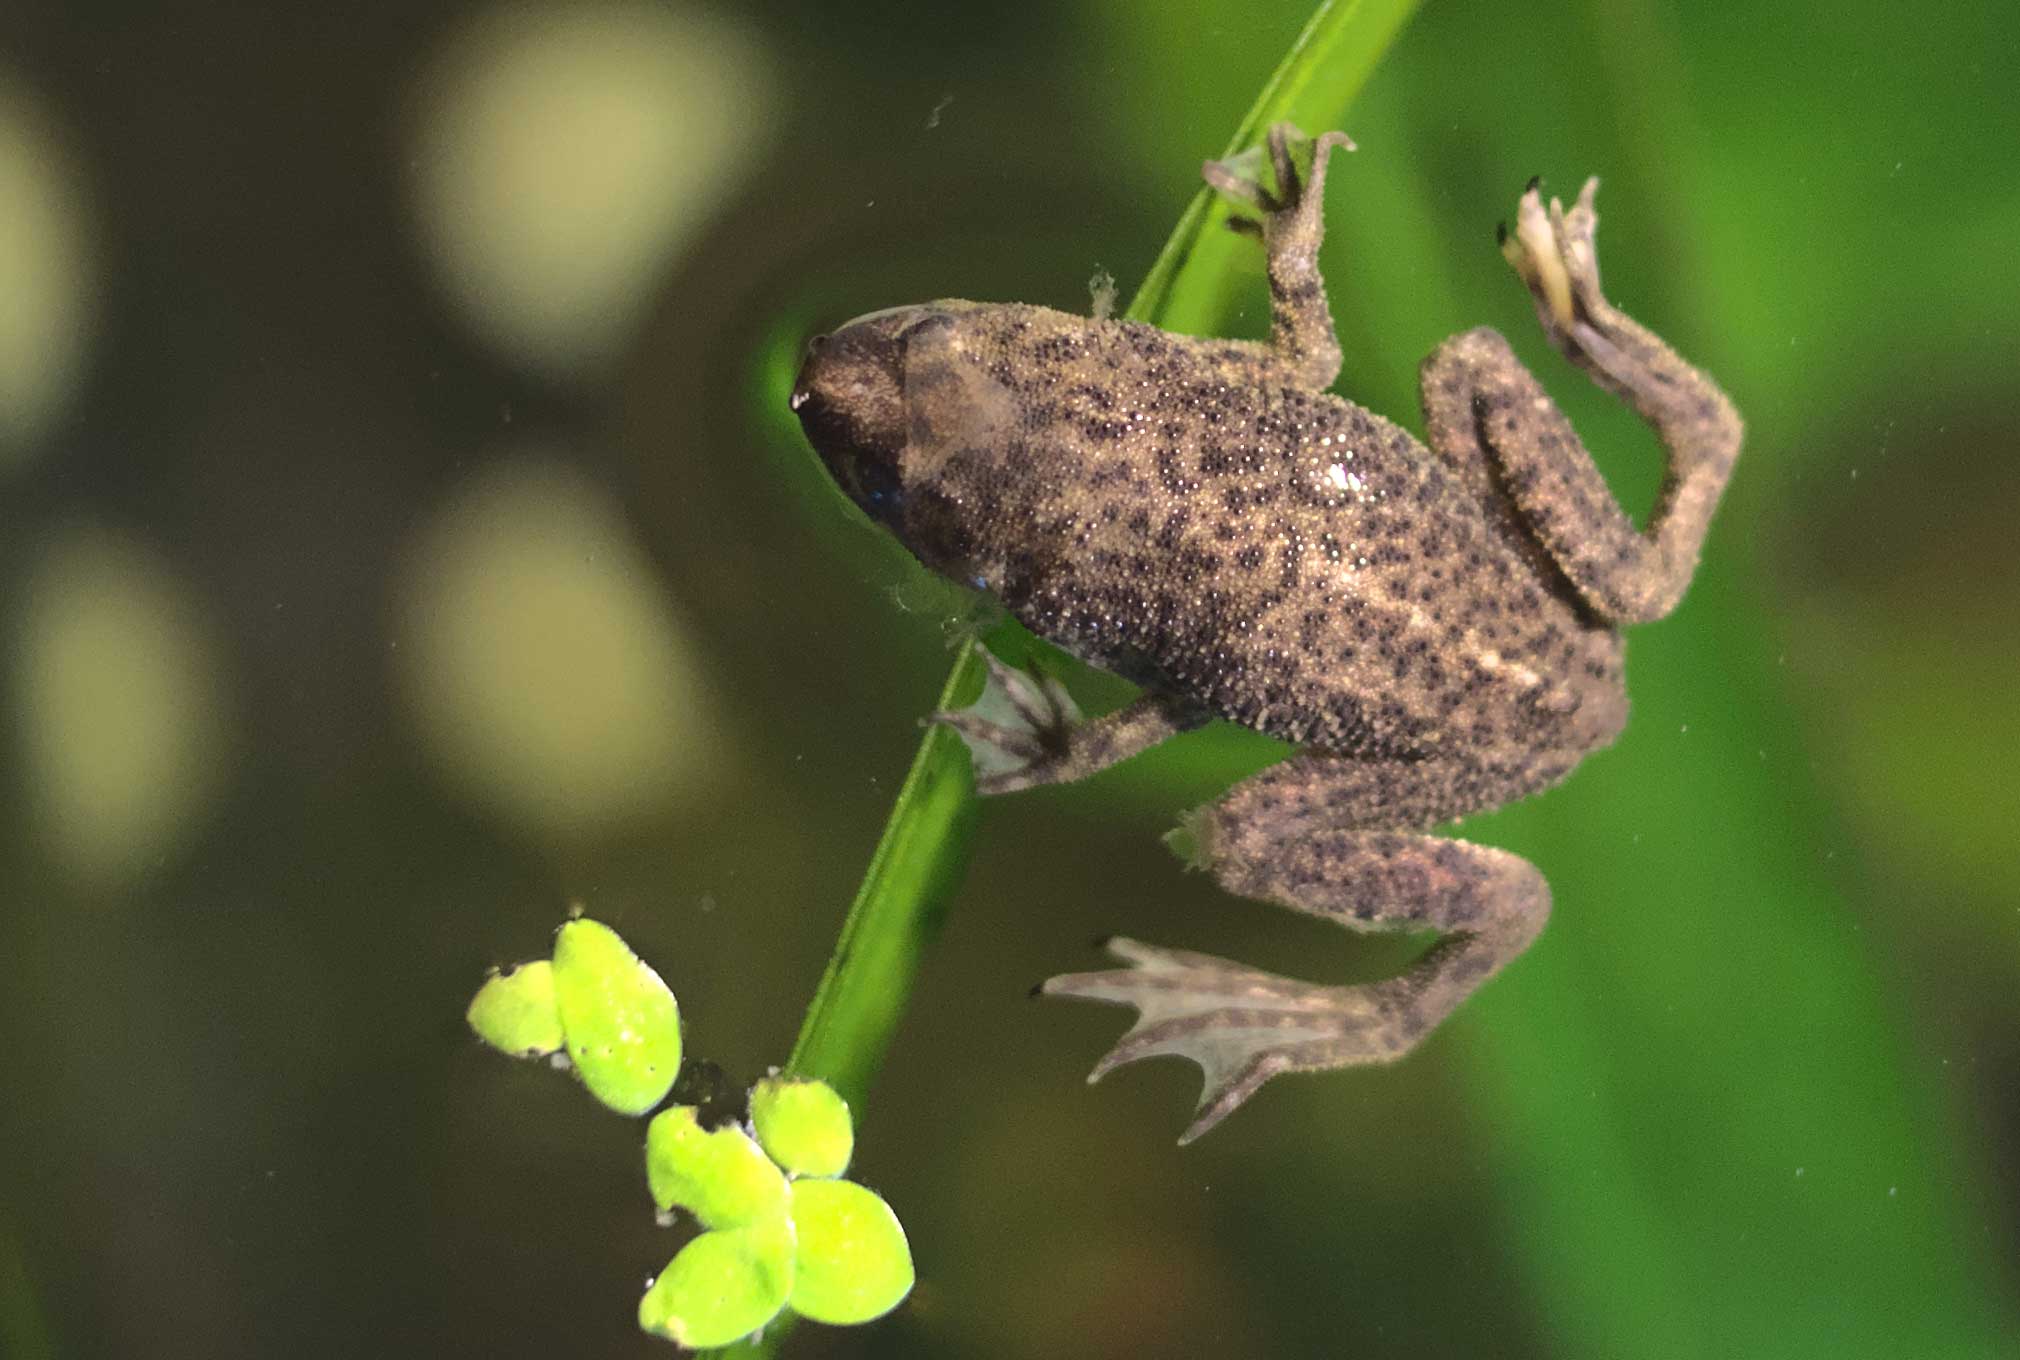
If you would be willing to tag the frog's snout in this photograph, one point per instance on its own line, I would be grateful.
(850, 398)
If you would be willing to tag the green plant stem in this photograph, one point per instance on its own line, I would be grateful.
(919, 859)
(918, 862)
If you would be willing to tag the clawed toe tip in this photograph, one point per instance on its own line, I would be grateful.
(1108, 1063)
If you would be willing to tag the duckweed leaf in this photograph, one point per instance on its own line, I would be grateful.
(622, 1023)
(853, 1262)
(719, 1176)
(804, 1125)
(514, 1011)
(723, 1286)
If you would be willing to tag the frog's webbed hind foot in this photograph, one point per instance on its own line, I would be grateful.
(1241, 1026)
(1025, 730)
(1299, 834)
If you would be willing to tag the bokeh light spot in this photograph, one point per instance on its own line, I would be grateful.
(548, 672)
(564, 156)
(44, 277)
(120, 708)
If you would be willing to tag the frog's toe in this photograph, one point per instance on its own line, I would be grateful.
(1581, 224)
(1576, 230)
(1242, 1026)
(1240, 178)
(1532, 249)
(1019, 725)
(1554, 253)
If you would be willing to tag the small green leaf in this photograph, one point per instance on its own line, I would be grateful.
(722, 1286)
(622, 1023)
(720, 1177)
(804, 1125)
(514, 1011)
(853, 1262)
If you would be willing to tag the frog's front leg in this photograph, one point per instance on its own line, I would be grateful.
(1483, 408)
(1025, 730)
(1293, 224)
(1339, 838)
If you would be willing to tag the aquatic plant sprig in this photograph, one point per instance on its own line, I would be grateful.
(790, 1233)
(780, 1230)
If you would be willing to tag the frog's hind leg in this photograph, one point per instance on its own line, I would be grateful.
(1293, 224)
(1335, 837)
(1484, 408)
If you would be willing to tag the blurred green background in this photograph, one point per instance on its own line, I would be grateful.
(401, 538)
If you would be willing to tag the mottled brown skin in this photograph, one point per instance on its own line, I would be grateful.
(1436, 627)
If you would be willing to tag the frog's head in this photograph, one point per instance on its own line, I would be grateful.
(850, 398)
(907, 410)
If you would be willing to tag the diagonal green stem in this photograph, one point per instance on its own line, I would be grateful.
(912, 875)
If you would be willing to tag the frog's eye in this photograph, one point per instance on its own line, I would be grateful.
(926, 323)
(877, 489)
(850, 403)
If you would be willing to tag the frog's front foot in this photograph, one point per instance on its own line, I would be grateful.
(1240, 176)
(1554, 253)
(1242, 1026)
(1292, 225)
(1018, 730)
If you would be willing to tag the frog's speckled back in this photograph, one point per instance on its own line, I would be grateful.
(1159, 506)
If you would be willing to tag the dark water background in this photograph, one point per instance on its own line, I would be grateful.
(400, 538)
